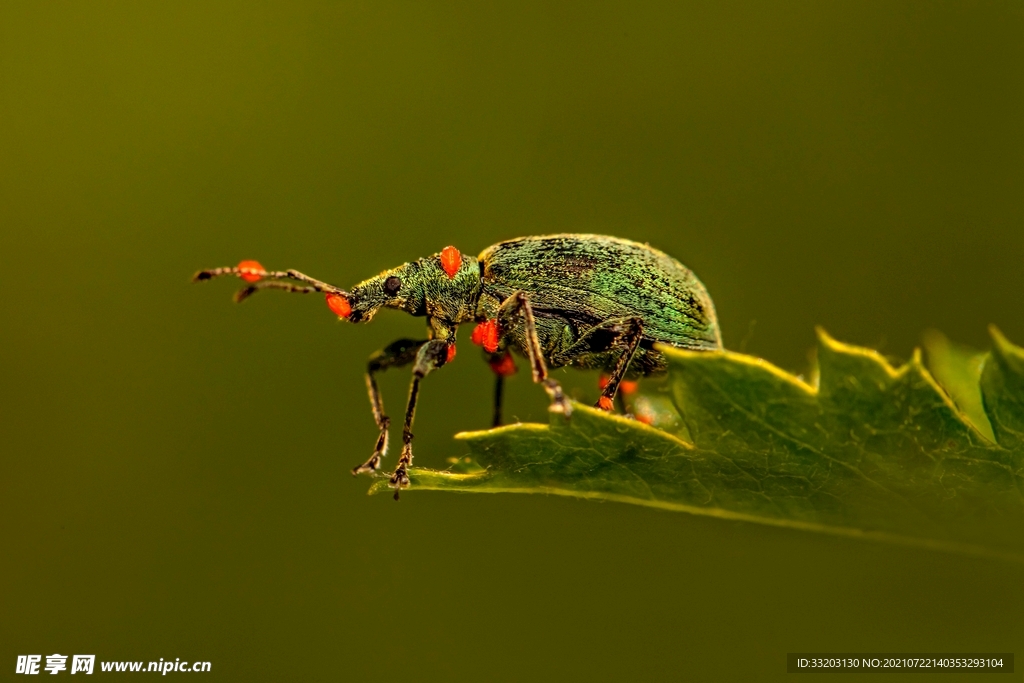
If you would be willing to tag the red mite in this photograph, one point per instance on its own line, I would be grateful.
(247, 266)
(486, 335)
(625, 387)
(451, 260)
(340, 305)
(504, 367)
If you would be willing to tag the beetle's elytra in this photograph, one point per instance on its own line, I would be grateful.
(586, 301)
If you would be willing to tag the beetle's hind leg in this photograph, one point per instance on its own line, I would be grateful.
(626, 387)
(395, 354)
(631, 339)
(519, 303)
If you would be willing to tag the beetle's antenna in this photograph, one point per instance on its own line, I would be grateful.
(252, 271)
(246, 292)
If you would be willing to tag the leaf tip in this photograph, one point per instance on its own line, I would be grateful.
(1005, 351)
(999, 338)
(824, 337)
(934, 342)
(378, 486)
(828, 342)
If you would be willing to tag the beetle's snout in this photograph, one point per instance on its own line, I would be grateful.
(397, 288)
(356, 306)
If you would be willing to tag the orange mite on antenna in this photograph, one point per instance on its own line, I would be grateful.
(251, 271)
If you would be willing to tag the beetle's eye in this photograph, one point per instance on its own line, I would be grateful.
(392, 285)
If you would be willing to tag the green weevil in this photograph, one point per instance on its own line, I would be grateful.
(585, 301)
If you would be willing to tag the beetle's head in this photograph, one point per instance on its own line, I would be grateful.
(444, 285)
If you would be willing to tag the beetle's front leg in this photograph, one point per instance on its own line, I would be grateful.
(519, 303)
(396, 354)
(431, 355)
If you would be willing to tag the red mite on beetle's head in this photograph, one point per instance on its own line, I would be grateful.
(586, 301)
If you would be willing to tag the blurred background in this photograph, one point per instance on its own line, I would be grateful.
(174, 469)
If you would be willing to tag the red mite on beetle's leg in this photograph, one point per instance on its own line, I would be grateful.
(586, 301)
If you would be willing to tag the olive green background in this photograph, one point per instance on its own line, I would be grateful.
(174, 474)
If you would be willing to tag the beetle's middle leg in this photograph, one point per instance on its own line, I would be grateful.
(499, 394)
(502, 365)
(394, 355)
(511, 307)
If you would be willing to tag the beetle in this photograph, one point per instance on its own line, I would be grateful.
(584, 301)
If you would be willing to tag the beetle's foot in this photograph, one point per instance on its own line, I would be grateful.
(559, 403)
(371, 465)
(400, 479)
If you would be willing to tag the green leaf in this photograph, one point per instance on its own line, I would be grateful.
(868, 450)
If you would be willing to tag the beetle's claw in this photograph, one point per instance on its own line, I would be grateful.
(400, 479)
(371, 465)
(564, 407)
(559, 403)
